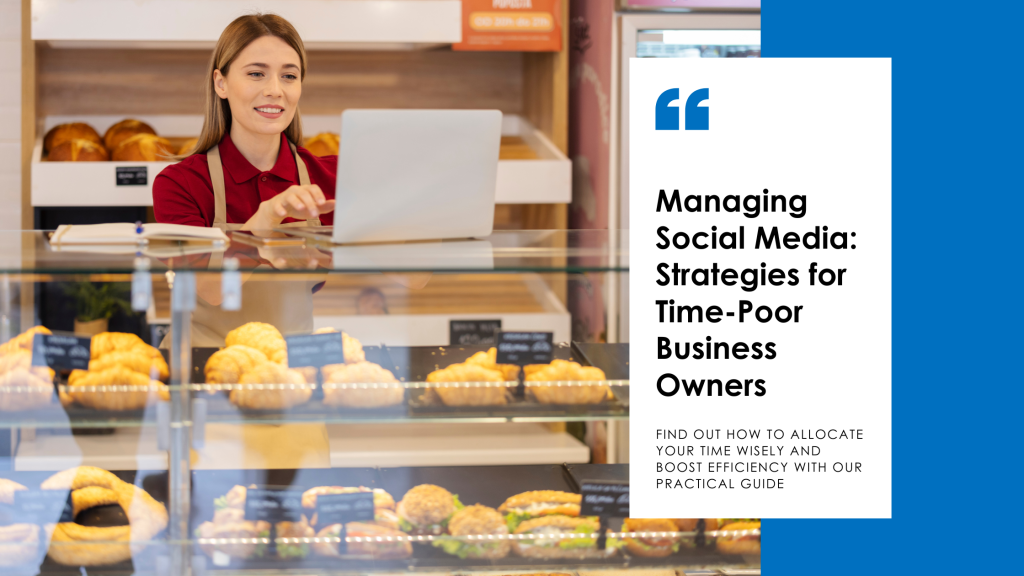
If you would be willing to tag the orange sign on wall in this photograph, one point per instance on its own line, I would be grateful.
(511, 25)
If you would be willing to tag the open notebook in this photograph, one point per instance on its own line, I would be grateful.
(125, 233)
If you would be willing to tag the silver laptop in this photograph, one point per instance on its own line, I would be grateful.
(415, 175)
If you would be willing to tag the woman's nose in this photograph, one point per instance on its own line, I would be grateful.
(273, 88)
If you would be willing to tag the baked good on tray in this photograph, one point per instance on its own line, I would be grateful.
(744, 544)
(75, 545)
(261, 336)
(124, 130)
(560, 537)
(124, 373)
(489, 360)
(23, 386)
(353, 348)
(390, 392)
(70, 131)
(78, 150)
(227, 365)
(24, 340)
(653, 545)
(468, 386)
(426, 509)
(229, 522)
(567, 389)
(143, 147)
(19, 543)
(538, 503)
(287, 388)
(472, 521)
(381, 543)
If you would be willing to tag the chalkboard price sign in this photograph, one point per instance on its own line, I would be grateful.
(273, 505)
(315, 350)
(605, 498)
(524, 348)
(43, 506)
(473, 332)
(61, 352)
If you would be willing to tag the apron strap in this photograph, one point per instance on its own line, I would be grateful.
(217, 179)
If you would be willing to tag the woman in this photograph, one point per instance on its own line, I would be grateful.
(248, 172)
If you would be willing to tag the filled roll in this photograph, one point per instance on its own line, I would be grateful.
(465, 528)
(426, 509)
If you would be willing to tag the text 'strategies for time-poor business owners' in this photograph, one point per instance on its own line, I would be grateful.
(760, 288)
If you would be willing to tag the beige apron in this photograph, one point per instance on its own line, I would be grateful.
(266, 297)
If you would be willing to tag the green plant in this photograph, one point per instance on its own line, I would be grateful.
(95, 301)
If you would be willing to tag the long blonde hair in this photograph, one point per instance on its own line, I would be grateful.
(239, 34)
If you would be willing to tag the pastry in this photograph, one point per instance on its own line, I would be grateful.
(426, 509)
(324, 144)
(390, 393)
(537, 503)
(24, 340)
(19, 543)
(227, 365)
(189, 147)
(65, 132)
(353, 348)
(651, 546)
(22, 385)
(262, 337)
(229, 523)
(570, 373)
(106, 342)
(290, 388)
(582, 544)
(78, 150)
(143, 148)
(468, 394)
(477, 521)
(135, 359)
(749, 544)
(381, 543)
(138, 390)
(124, 130)
(76, 545)
(381, 498)
(489, 360)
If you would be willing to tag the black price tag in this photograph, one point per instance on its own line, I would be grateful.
(131, 175)
(43, 506)
(605, 498)
(61, 352)
(344, 508)
(273, 505)
(315, 350)
(473, 332)
(524, 348)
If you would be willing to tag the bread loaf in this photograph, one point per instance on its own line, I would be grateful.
(143, 148)
(78, 150)
(124, 130)
(65, 132)
(188, 147)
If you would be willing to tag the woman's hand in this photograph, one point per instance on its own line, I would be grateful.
(299, 202)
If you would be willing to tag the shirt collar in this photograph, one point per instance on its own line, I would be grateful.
(241, 170)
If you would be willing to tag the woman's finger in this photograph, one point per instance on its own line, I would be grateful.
(317, 194)
(307, 200)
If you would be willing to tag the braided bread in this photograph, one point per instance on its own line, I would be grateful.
(136, 359)
(76, 545)
(107, 342)
(24, 340)
(563, 370)
(111, 399)
(261, 336)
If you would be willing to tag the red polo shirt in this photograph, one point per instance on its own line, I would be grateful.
(183, 192)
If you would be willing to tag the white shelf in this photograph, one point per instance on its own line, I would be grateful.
(196, 24)
(467, 444)
(545, 180)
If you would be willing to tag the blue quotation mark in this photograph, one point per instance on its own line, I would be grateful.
(667, 117)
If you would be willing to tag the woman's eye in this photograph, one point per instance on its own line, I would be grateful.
(256, 74)
(291, 76)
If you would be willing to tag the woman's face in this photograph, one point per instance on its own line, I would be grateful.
(262, 86)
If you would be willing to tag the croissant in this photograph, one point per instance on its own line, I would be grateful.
(35, 392)
(563, 370)
(110, 399)
(136, 359)
(362, 373)
(353, 348)
(489, 360)
(468, 395)
(23, 341)
(261, 336)
(107, 342)
(226, 366)
(271, 399)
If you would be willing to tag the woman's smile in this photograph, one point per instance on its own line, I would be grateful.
(270, 111)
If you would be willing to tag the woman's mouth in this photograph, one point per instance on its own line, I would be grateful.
(269, 111)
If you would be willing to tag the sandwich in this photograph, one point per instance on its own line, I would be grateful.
(537, 503)
(383, 503)
(426, 510)
(387, 544)
(745, 544)
(561, 537)
(652, 546)
(471, 529)
(229, 523)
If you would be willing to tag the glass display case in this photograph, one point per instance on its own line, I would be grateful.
(271, 404)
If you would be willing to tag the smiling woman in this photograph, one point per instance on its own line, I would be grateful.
(251, 134)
